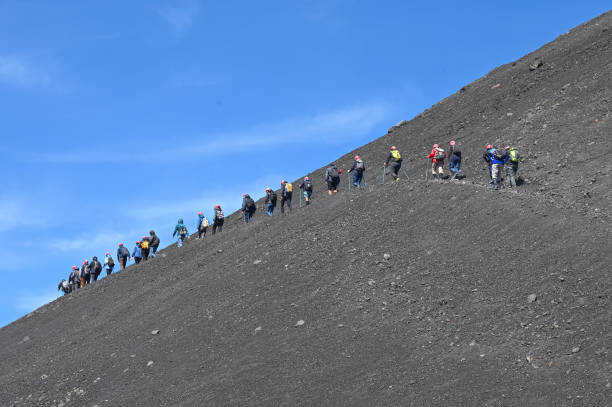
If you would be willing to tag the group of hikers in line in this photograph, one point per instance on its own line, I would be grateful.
(495, 158)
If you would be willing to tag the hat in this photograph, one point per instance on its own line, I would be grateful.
(452, 142)
(120, 244)
(489, 146)
(108, 253)
(393, 148)
(138, 242)
(357, 157)
(268, 189)
(199, 213)
(217, 206)
(306, 178)
(74, 267)
(507, 148)
(283, 182)
(86, 261)
(436, 146)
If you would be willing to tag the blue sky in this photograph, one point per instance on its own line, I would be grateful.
(117, 117)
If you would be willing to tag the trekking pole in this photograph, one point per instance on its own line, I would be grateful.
(405, 173)
(348, 180)
(300, 198)
(383, 181)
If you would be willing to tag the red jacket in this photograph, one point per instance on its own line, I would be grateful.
(432, 155)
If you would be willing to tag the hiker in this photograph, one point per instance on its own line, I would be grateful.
(394, 159)
(153, 243)
(512, 165)
(437, 156)
(96, 268)
(248, 207)
(487, 157)
(75, 278)
(180, 230)
(145, 245)
(123, 255)
(109, 264)
(332, 177)
(306, 186)
(202, 225)
(64, 286)
(359, 168)
(137, 253)
(85, 274)
(218, 219)
(270, 201)
(286, 192)
(498, 160)
(455, 159)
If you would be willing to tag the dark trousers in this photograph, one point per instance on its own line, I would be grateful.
(395, 168)
(74, 286)
(145, 254)
(285, 200)
(109, 271)
(202, 231)
(137, 260)
(86, 279)
(122, 262)
(94, 277)
(248, 215)
(218, 225)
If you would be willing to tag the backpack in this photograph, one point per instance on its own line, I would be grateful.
(204, 223)
(183, 230)
(289, 187)
(110, 262)
(439, 155)
(65, 286)
(220, 215)
(514, 156)
(144, 244)
(308, 186)
(273, 197)
(359, 166)
(250, 203)
(396, 155)
(333, 173)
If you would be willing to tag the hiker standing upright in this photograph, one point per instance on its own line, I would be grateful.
(85, 274)
(123, 255)
(96, 268)
(180, 230)
(332, 177)
(248, 207)
(137, 253)
(306, 186)
(270, 203)
(75, 278)
(498, 159)
(218, 219)
(286, 192)
(455, 159)
(202, 225)
(437, 156)
(153, 243)
(359, 168)
(487, 157)
(145, 245)
(109, 264)
(394, 160)
(512, 163)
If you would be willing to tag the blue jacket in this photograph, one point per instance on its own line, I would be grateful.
(200, 217)
(496, 159)
(137, 252)
(177, 229)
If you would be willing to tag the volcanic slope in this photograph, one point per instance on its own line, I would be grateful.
(408, 293)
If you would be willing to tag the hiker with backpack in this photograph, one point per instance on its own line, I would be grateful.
(64, 286)
(153, 243)
(498, 159)
(332, 177)
(202, 225)
(437, 156)
(248, 207)
(218, 219)
(123, 255)
(85, 274)
(95, 268)
(487, 157)
(109, 264)
(286, 192)
(394, 160)
(454, 152)
(137, 253)
(306, 186)
(512, 163)
(270, 201)
(74, 278)
(145, 245)
(181, 231)
(359, 168)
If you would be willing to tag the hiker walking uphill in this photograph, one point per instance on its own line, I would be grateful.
(332, 177)
(145, 245)
(487, 157)
(137, 253)
(306, 187)
(218, 220)
(512, 163)
(123, 255)
(85, 274)
(270, 201)
(359, 168)
(437, 156)
(153, 243)
(454, 152)
(248, 207)
(74, 278)
(96, 268)
(64, 286)
(394, 161)
(202, 225)
(109, 264)
(498, 159)
(180, 230)
(286, 192)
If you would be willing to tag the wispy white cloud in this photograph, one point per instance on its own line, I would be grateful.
(326, 128)
(20, 72)
(87, 241)
(16, 213)
(180, 15)
(31, 301)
